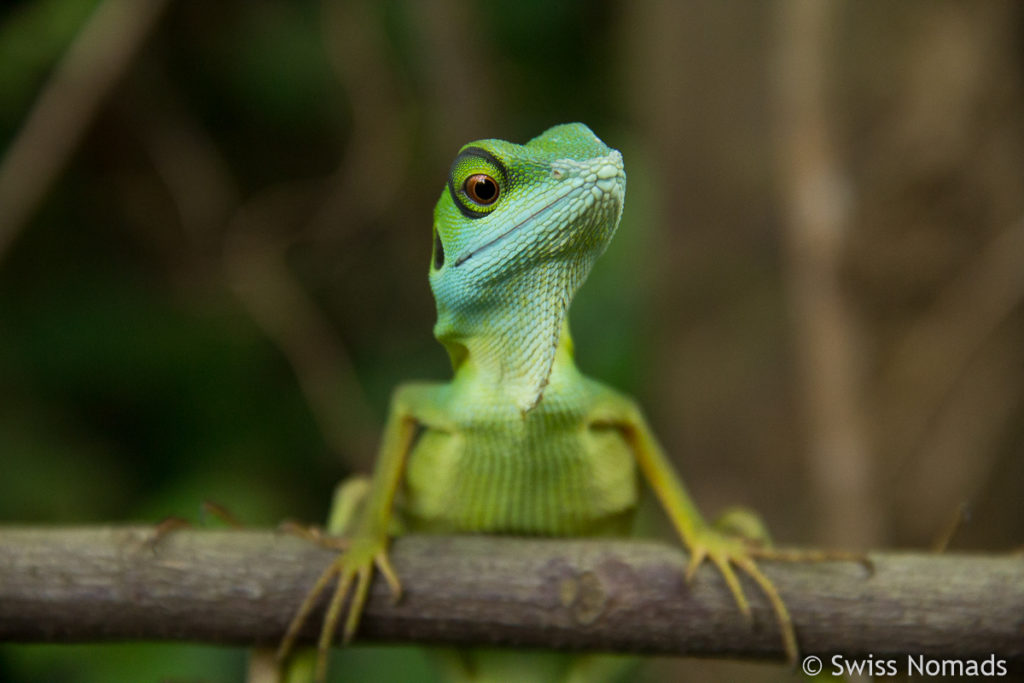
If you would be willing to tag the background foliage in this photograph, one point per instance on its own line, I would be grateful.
(815, 292)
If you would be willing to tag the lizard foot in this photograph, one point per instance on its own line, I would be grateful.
(736, 540)
(351, 573)
(730, 553)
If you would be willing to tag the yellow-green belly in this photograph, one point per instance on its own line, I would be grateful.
(546, 474)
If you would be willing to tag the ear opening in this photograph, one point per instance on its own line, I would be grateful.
(438, 252)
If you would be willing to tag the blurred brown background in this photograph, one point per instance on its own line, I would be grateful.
(215, 229)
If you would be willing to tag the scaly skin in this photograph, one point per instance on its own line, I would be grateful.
(519, 441)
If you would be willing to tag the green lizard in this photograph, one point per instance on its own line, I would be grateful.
(519, 442)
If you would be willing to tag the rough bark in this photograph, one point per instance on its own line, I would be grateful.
(241, 587)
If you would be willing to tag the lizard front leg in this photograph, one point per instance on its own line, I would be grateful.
(727, 551)
(352, 570)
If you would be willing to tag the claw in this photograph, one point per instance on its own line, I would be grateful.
(288, 642)
(355, 610)
(314, 534)
(331, 619)
(697, 557)
(213, 509)
(733, 583)
(165, 527)
(805, 555)
(384, 565)
(782, 617)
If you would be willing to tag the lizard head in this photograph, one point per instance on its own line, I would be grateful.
(516, 230)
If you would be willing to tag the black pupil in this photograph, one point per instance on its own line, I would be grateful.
(483, 189)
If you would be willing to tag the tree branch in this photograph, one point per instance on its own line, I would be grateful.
(241, 587)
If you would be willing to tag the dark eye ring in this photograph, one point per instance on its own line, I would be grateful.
(481, 189)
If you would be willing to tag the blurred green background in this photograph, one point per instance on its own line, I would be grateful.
(214, 246)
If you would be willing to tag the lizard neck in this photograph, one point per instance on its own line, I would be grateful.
(515, 366)
(508, 334)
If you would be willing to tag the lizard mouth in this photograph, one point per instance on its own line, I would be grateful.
(490, 243)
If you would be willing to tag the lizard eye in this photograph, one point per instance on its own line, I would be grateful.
(476, 181)
(481, 189)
